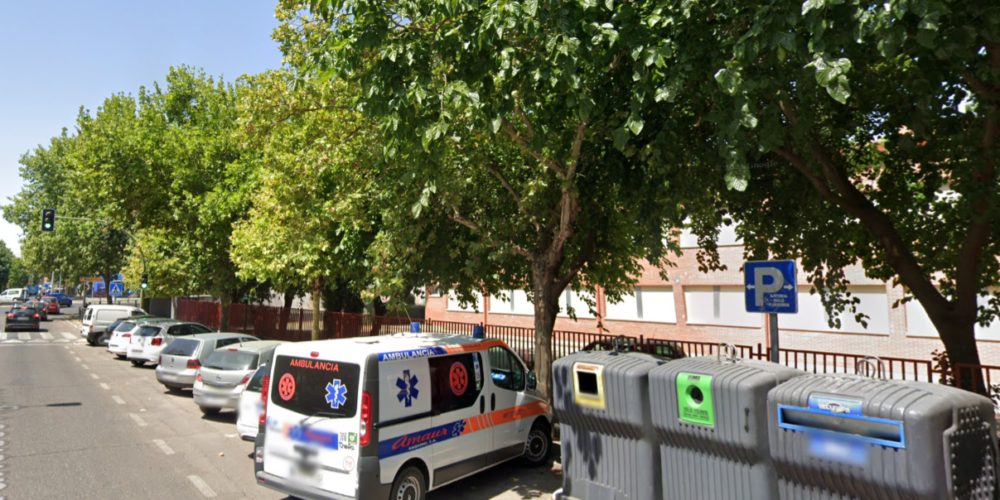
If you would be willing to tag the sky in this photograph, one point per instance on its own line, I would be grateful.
(56, 56)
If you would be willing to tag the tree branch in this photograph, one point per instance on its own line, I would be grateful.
(457, 217)
(582, 258)
(524, 119)
(509, 129)
(517, 198)
(574, 158)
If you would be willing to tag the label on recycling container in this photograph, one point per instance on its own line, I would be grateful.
(694, 399)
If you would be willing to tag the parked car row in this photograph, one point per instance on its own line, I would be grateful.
(217, 366)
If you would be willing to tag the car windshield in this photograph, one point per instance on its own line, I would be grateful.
(256, 383)
(232, 360)
(148, 331)
(182, 347)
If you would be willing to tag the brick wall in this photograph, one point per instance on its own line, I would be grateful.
(897, 344)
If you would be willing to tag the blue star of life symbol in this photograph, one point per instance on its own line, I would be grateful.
(336, 394)
(458, 429)
(407, 388)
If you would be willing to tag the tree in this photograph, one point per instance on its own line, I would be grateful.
(511, 160)
(7, 264)
(875, 132)
(310, 142)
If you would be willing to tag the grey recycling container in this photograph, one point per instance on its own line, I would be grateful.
(849, 437)
(711, 423)
(601, 400)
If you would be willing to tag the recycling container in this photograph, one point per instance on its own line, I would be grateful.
(711, 423)
(602, 402)
(847, 437)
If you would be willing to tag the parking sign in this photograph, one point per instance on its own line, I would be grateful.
(770, 286)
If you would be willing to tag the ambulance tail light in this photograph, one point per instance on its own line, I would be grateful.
(157, 341)
(366, 419)
(194, 364)
(263, 399)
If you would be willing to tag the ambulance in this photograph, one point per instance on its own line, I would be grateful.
(395, 416)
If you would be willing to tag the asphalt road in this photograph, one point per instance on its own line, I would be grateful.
(75, 422)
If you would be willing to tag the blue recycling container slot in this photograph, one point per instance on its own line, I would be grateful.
(477, 332)
(414, 327)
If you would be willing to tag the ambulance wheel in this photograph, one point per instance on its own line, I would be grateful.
(409, 485)
(538, 446)
(138, 362)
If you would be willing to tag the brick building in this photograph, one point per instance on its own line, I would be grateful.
(709, 307)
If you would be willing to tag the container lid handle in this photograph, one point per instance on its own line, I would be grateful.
(730, 351)
(874, 367)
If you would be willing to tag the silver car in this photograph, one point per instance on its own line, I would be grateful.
(151, 339)
(122, 336)
(180, 361)
(226, 372)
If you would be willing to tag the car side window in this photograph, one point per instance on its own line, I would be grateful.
(219, 344)
(505, 369)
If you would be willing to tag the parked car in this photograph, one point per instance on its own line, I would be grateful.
(13, 295)
(180, 361)
(669, 350)
(38, 306)
(146, 346)
(51, 303)
(119, 339)
(222, 378)
(64, 300)
(22, 317)
(98, 317)
(251, 406)
(429, 394)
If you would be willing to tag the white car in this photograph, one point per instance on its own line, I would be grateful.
(251, 406)
(395, 416)
(98, 317)
(147, 345)
(226, 372)
(122, 336)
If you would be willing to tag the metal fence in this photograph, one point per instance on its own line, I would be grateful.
(276, 323)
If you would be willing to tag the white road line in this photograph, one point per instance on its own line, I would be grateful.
(69, 336)
(202, 486)
(65, 347)
(3, 335)
(58, 341)
(78, 360)
(167, 450)
(24, 336)
(95, 376)
(105, 386)
(85, 367)
(118, 400)
(138, 420)
(46, 335)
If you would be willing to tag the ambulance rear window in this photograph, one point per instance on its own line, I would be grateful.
(310, 386)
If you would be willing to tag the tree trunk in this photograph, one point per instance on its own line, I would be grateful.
(107, 287)
(546, 298)
(316, 292)
(286, 312)
(958, 334)
(226, 301)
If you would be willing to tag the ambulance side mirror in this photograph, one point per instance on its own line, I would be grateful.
(532, 381)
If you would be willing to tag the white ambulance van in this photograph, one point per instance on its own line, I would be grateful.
(395, 416)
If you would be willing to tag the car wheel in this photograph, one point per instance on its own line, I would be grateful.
(538, 446)
(409, 485)
(209, 411)
(103, 340)
(138, 362)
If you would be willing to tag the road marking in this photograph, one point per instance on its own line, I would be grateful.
(60, 341)
(105, 386)
(95, 376)
(167, 450)
(85, 367)
(3, 335)
(118, 400)
(202, 486)
(78, 360)
(24, 336)
(138, 420)
(65, 347)
(46, 335)
(68, 336)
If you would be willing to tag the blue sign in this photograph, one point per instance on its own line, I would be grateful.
(116, 289)
(770, 286)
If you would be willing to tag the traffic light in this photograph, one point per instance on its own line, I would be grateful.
(48, 219)
(145, 281)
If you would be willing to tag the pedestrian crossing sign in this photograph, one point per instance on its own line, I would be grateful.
(116, 289)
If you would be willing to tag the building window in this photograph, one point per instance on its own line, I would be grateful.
(576, 300)
(719, 306)
(812, 316)
(454, 304)
(654, 304)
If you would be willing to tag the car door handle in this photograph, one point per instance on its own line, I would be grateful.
(493, 402)
(482, 404)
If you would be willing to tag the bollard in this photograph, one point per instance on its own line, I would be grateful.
(415, 327)
(477, 332)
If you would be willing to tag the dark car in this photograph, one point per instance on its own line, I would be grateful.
(22, 317)
(64, 300)
(40, 307)
(664, 349)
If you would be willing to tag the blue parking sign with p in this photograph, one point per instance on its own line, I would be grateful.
(770, 286)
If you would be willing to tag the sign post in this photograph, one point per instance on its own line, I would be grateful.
(771, 288)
